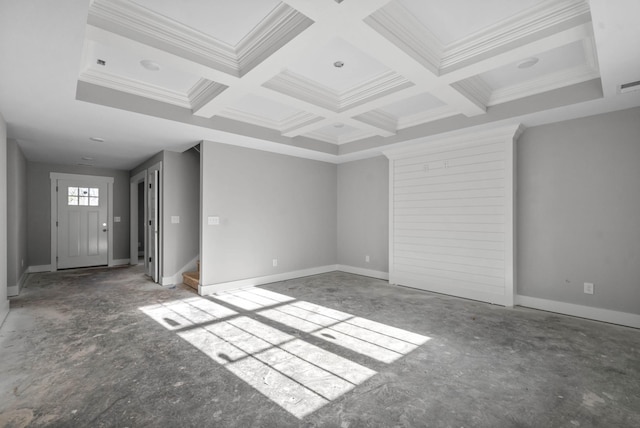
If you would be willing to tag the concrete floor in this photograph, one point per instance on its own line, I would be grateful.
(98, 348)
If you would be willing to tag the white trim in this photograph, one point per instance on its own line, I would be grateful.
(110, 221)
(54, 177)
(364, 272)
(392, 208)
(177, 277)
(14, 290)
(39, 268)
(205, 290)
(597, 314)
(160, 212)
(135, 87)
(141, 177)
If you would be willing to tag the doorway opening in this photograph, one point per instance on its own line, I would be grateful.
(146, 220)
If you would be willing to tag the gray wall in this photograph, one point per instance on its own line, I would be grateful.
(363, 213)
(39, 209)
(180, 197)
(158, 157)
(579, 211)
(270, 206)
(16, 213)
(4, 302)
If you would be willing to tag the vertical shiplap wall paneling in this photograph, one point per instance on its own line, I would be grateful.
(452, 215)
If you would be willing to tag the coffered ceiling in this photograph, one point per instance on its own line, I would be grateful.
(325, 79)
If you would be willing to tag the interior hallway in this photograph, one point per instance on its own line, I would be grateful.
(106, 347)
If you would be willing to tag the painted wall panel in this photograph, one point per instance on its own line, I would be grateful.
(269, 206)
(16, 216)
(452, 216)
(363, 214)
(579, 211)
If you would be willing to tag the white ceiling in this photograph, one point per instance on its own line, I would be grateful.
(260, 73)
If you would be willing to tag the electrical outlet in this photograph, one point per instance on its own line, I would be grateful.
(275, 262)
(588, 288)
(367, 259)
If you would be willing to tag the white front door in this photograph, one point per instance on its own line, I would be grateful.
(82, 223)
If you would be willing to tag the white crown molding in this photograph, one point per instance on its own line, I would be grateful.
(524, 26)
(379, 119)
(474, 88)
(135, 87)
(298, 120)
(385, 120)
(114, 15)
(456, 139)
(545, 83)
(403, 29)
(340, 139)
(279, 27)
(426, 116)
(591, 53)
(304, 89)
(203, 92)
(378, 86)
(293, 121)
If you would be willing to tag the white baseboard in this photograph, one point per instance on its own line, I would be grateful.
(364, 272)
(14, 290)
(205, 290)
(120, 262)
(597, 314)
(40, 268)
(176, 278)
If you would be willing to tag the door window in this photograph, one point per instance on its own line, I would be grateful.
(83, 196)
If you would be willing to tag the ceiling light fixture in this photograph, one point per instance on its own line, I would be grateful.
(338, 64)
(528, 63)
(150, 65)
(97, 139)
(338, 125)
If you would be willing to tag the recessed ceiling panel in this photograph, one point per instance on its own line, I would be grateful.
(562, 58)
(413, 105)
(265, 108)
(336, 130)
(451, 20)
(125, 64)
(227, 21)
(320, 66)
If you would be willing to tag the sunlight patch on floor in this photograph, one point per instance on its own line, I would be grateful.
(298, 376)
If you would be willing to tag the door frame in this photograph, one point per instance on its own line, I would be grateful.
(159, 224)
(54, 177)
(141, 177)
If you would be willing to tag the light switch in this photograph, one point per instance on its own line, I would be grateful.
(213, 220)
(175, 219)
(116, 219)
